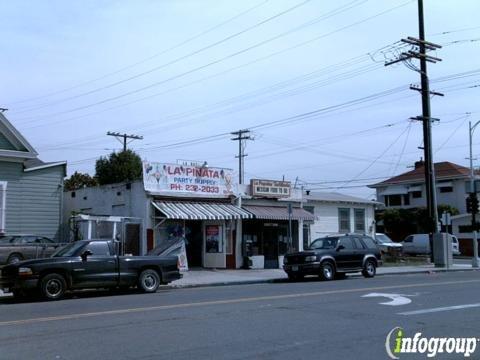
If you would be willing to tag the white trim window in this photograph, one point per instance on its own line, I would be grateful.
(3, 205)
(359, 220)
(344, 220)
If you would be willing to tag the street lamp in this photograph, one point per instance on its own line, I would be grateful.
(473, 190)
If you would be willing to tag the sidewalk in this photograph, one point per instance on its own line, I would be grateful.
(214, 277)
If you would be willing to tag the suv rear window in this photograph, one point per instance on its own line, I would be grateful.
(369, 242)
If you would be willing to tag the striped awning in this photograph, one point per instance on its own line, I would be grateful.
(278, 213)
(200, 211)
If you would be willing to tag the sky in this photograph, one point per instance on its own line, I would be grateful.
(306, 77)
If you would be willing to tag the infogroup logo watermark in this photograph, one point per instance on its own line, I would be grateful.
(398, 344)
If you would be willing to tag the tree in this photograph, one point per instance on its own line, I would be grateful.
(399, 223)
(118, 167)
(78, 181)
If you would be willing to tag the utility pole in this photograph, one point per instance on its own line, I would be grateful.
(419, 51)
(472, 200)
(242, 136)
(124, 137)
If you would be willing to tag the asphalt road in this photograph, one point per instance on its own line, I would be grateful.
(306, 320)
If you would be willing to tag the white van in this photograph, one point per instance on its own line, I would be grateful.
(419, 244)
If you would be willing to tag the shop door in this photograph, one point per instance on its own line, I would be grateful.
(270, 247)
(194, 242)
(231, 252)
(131, 236)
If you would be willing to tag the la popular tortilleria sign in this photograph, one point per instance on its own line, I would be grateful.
(181, 180)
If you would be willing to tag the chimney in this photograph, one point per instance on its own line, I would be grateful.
(419, 164)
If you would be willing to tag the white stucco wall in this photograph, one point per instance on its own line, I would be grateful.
(328, 222)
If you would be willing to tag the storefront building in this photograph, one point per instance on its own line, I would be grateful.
(278, 222)
(223, 224)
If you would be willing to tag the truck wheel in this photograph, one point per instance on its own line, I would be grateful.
(14, 258)
(148, 281)
(53, 286)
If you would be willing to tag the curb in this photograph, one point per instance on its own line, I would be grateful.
(285, 280)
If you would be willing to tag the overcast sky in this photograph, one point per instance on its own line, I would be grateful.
(307, 77)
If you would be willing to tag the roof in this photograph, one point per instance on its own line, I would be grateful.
(443, 170)
(335, 197)
(22, 148)
(37, 164)
(278, 213)
(200, 211)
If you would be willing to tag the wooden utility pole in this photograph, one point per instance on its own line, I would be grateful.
(242, 136)
(419, 51)
(124, 137)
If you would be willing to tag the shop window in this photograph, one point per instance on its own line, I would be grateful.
(344, 220)
(252, 245)
(359, 217)
(213, 236)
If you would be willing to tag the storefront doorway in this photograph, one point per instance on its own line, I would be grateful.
(194, 243)
(268, 239)
(271, 235)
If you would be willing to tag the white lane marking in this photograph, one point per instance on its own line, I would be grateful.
(440, 309)
(396, 299)
(228, 301)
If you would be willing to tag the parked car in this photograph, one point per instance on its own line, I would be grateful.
(333, 256)
(419, 244)
(386, 245)
(18, 247)
(88, 264)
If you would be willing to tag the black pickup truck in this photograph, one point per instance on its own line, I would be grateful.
(88, 264)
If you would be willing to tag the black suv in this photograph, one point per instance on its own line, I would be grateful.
(334, 256)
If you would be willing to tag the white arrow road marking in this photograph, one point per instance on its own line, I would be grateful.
(439, 309)
(397, 299)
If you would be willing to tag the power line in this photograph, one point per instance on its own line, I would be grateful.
(162, 52)
(231, 55)
(174, 61)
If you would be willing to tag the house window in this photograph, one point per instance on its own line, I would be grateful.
(3, 205)
(359, 218)
(393, 200)
(446, 189)
(406, 199)
(344, 220)
(416, 194)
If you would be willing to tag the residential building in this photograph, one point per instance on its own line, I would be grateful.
(31, 191)
(338, 213)
(407, 190)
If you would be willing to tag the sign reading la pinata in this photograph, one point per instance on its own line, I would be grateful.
(181, 180)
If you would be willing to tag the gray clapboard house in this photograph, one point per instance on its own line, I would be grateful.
(31, 191)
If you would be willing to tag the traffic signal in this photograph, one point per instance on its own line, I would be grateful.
(469, 204)
(472, 203)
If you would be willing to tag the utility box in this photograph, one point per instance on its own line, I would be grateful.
(442, 250)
